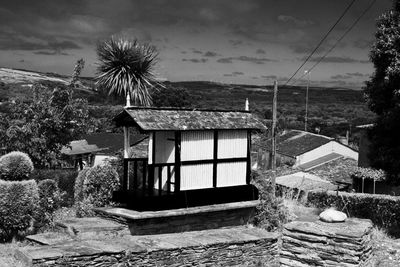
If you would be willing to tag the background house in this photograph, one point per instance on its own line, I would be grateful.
(305, 150)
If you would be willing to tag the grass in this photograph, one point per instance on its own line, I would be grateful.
(7, 255)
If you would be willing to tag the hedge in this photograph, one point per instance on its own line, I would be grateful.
(15, 166)
(383, 210)
(18, 205)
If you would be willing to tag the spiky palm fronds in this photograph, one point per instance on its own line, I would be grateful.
(126, 67)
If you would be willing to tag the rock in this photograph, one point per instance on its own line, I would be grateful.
(332, 215)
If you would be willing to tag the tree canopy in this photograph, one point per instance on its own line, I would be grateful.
(126, 67)
(382, 93)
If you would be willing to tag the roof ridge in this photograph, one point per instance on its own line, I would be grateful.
(188, 109)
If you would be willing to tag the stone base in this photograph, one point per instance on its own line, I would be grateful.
(326, 244)
(181, 220)
(240, 246)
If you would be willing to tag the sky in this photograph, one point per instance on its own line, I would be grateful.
(228, 41)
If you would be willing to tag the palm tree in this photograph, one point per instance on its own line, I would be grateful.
(126, 68)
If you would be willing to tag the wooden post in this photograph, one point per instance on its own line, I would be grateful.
(248, 161)
(274, 107)
(126, 154)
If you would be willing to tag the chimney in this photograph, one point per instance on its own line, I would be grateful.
(128, 101)
(246, 105)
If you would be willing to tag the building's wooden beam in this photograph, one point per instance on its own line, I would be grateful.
(177, 161)
(215, 162)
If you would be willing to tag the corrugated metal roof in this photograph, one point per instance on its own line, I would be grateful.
(158, 119)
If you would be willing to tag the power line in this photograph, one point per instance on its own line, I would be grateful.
(338, 41)
(322, 40)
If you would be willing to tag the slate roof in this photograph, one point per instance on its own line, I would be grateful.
(140, 148)
(319, 161)
(172, 119)
(79, 147)
(111, 142)
(295, 142)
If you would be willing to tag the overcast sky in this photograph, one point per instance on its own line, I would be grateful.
(232, 41)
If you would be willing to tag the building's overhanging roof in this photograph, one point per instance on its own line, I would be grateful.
(173, 119)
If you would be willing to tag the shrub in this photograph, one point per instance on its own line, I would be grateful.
(78, 188)
(18, 203)
(64, 178)
(271, 213)
(84, 208)
(383, 210)
(94, 188)
(50, 200)
(15, 166)
(369, 173)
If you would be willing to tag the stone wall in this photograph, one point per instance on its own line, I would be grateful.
(326, 244)
(219, 247)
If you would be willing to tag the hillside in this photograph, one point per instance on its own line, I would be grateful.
(332, 110)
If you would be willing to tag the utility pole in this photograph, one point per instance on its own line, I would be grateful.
(308, 84)
(274, 105)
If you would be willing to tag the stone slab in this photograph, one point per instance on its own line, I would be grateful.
(89, 224)
(49, 238)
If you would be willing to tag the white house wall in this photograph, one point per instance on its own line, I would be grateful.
(231, 174)
(232, 144)
(197, 145)
(328, 148)
(165, 147)
(197, 177)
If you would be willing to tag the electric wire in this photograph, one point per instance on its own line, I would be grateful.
(338, 41)
(322, 40)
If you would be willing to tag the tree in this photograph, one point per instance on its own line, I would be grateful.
(126, 67)
(170, 96)
(42, 127)
(383, 94)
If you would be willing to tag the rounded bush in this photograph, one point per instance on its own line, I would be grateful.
(94, 186)
(15, 166)
(18, 206)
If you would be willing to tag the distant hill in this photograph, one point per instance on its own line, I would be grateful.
(333, 110)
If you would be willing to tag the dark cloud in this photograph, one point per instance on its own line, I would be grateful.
(357, 74)
(363, 43)
(340, 77)
(234, 74)
(51, 53)
(269, 77)
(334, 59)
(21, 60)
(254, 77)
(295, 21)
(183, 52)
(254, 60)
(235, 42)
(196, 51)
(196, 60)
(210, 54)
(18, 42)
(260, 51)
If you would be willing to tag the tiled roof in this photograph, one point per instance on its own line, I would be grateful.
(158, 119)
(294, 142)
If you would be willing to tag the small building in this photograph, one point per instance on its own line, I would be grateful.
(307, 150)
(195, 157)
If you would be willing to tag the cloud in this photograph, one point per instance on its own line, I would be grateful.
(260, 51)
(357, 74)
(235, 43)
(234, 74)
(210, 54)
(334, 59)
(225, 60)
(363, 43)
(19, 42)
(254, 60)
(340, 77)
(269, 77)
(196, 51)
(196, 60)
(295, 21)
(51, 53)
